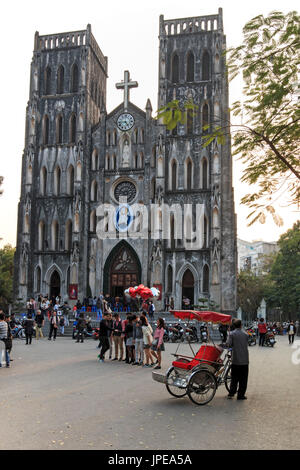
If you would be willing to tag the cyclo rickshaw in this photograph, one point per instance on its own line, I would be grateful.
(198, 376)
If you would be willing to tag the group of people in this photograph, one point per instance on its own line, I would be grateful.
(131, 340)
(261, 328)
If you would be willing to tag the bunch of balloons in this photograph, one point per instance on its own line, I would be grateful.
(143, 292)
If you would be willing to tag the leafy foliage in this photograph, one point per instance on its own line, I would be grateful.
(6, 274)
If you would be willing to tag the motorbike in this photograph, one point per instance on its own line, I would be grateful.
(176, 333)
(203, 334)
(191, 334)
(270, 339)
(251, 336)
(18, 331)
(166, 334)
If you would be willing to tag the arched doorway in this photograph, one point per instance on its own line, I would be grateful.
(122, 270)
(188, 288)
(54, 284)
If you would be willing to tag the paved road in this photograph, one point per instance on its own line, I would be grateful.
(57, 395)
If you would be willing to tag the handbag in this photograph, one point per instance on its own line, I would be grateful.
(155, 342)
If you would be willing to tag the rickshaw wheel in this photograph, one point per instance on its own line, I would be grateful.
(227, 379)
(172, 389)
(202, 387)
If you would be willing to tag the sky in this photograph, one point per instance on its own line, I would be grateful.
(127, 33)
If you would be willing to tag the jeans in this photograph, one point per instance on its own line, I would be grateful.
(239, 377)
(28, 337)
(291, 339)
(262, 339)
(4, 353)
(139, 349)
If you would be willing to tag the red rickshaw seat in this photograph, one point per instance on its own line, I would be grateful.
(207, 354)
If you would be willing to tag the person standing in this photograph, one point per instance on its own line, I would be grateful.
(103, 336)
(9, 336)
(3, 339)
(151, 310)
(291, 330)
(53, 325)
(117, 337)
(238, 341)
(138, 342)
(147, 340)
(81, 325)
(39, 323)
(28, 327)
(110, 340)
(62, 325)
(129, 340)
(262, 328)
(158, 342)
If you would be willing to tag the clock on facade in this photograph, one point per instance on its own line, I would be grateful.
(125, 121)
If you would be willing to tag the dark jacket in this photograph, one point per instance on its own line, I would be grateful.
(129, 330)
(28, 326)
(39, 318)
(238, 341)
(81, 324)
(104, 328)
(117, 326)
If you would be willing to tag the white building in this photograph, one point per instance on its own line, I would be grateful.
(251, 255)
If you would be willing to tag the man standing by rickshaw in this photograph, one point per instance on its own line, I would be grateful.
(238, 341)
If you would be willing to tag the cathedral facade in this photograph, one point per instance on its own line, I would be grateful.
(112, 200)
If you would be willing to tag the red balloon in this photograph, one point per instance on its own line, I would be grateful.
(145, 293)
(132, 292)
(139, 289)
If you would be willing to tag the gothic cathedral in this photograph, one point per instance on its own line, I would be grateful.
(112, 200)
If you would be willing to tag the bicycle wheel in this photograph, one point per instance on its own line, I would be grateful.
(227, 379)
(202, 387)
(172, 376)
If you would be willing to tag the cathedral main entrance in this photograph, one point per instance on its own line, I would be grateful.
(54, 284)
(122, 270)
(188, 288)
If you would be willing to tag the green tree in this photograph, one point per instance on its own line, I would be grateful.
(251, 290)
(284, 291)
(6, 274)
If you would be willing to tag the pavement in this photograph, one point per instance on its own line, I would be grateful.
(57, 395)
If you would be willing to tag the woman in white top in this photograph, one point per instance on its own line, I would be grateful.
(147, 339)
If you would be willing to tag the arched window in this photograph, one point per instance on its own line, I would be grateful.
(153, 157)
(81, 123)
(70, 180)
(135, 136)
(107, 138)
(190, 66)
(46, 125)
(170, 279)
(72, 129)
(173, 175)
(114, 162)
(205, 66)
(107, 162)
(60, 79)
(135, 160)
(175, 69)
(153, 188)
(142, 136)
(172, 232)
(54, 235)
(205, 232)
(190, 121)
(95, 160)
(205, 278)
(94, 191)
(78, 171)
(141, 160)
(115, 137)
(57, 180)
(160, 167)
(74, 79)
(41, 236)
(59, 129)
(43, 181)
(189, 172)
(48, 81)
(217, 63)
(215, 218)
(204, 173)
(29, 175)
(93, 221)
(38, 278)
(68, 235)
(26, 223)
(205, 118)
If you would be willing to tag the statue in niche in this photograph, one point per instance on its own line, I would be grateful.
(126, 154)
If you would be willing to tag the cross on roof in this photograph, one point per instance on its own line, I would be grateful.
(126, 84)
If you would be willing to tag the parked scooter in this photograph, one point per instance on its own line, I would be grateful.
(176, 333)
(191, 334)
(203, 334)
(251, 336)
